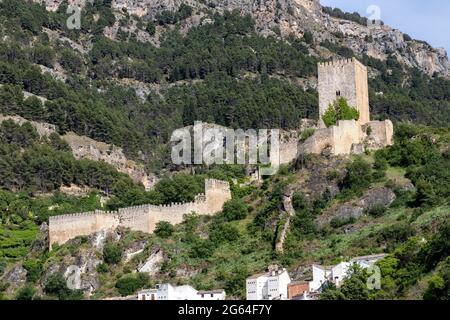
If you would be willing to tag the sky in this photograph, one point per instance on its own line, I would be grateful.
(427, 20)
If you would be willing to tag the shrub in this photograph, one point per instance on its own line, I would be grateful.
(112, 253)
(439, 284)
(308, 37)
(358, 177)
(56, 285)
(129, 284)
(396, 233)
(234, 209)
(224, 233)
(102, 268)
(2, 266)
(71, 61)
(306, 134)
(380, 165)
(377, 210)
(202, 249)
(34, 270)
(151, 28)
(340, 222)
(164, 229)
(26, 293)
(332, 175)
(339, 110)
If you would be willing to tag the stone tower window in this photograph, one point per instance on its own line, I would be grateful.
(338, 93)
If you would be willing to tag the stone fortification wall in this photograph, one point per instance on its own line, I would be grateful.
(380, 134)
(344, 135)
(288, 146)
(140, 218)
(63, 228)
(342, 138)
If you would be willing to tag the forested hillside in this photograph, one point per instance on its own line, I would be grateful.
(222, 72)
(130, 80)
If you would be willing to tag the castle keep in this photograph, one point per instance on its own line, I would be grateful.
(347, 79)
(141, 218)
(344, 78)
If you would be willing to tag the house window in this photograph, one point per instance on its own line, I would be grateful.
(203, 295)
(212, 295)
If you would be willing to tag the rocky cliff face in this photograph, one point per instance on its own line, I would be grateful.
(84, 147)
(295, 17)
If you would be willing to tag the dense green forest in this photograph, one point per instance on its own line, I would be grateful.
(223, 72)
(238, 72)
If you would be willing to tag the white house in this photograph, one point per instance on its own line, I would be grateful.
(168, 292)
(211, 295)
(271, 285)
(149, 294)
(336, 274)
(321, 274)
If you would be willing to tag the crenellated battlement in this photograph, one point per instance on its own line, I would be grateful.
(141, 218)
(216, 185)
(71, 216)
(338, 63)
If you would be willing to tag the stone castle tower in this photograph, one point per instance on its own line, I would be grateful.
(347, 79)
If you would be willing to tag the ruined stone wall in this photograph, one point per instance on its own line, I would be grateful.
(344, 135)
(321, 139)
(342, 138)
(288, 146)
(140, 218)
(174, 213)
(381, 134)
(344, 78)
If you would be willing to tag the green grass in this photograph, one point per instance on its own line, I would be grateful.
(15, 241)
(439, 213)
(397, 175)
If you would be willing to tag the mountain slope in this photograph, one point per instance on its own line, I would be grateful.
(297, 17)
(137, 70)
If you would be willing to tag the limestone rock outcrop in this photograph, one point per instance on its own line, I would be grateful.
(84, 147)
(153, 263)
(296, 17)
(355, 209)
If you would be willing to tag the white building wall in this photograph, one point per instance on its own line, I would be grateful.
(211, 296)
(257, 288)
(319, 278)
(283, 282)
(268, 287)
(273, 288)
(148, 295)
(339, 272)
